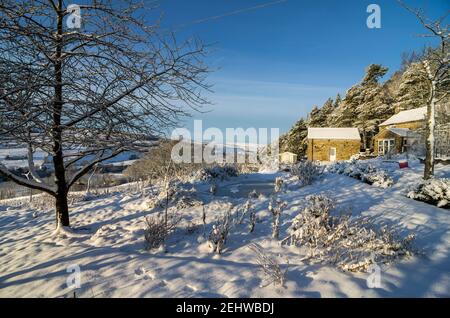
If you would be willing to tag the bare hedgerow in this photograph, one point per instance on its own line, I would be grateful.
(157, 229)
(269, 265)
(351, 244)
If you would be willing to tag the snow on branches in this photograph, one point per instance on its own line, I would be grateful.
(362, 171)
(351, 244)
(306, 172)
(269, 265)
(433, 191)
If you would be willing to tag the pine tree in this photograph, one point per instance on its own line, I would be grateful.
(295, 140)
(413, 90)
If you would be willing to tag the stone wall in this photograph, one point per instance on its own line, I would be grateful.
(319, 149)
(387, 134)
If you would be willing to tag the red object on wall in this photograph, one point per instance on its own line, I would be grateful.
(403, 164)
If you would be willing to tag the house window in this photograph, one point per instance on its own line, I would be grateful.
(385, 146)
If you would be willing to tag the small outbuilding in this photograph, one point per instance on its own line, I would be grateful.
(333, 144)
(288, 157)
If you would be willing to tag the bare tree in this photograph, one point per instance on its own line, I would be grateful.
(436, 64)
(87, 94)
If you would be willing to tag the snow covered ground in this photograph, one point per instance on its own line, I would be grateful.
(109, 245)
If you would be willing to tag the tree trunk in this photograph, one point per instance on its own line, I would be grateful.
(61, 206)
(62, 209)
(364, 133)
(430, 140)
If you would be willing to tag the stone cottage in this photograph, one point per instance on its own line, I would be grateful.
(400, 132)
(333, 144)
(288, 157)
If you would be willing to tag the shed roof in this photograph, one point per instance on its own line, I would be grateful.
(406, 116)
(334, 133)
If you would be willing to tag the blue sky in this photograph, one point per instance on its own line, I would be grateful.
(274, 63)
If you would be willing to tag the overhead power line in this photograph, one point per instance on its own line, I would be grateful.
(227, 14)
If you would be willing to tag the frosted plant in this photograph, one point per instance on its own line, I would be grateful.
(270, 267)
(276, 208)
(434, 191)
(219, 233)
(213, 189)
(278, 184)
(247, 207)
(177, 194)
(252, 218)
(157, 230)
(364, 172)
(343, 241)
(253, 195)
(305, 171)
(216, 172)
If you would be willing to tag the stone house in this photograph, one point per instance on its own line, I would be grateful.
(400, 132)
(333, 144)
(288, 157)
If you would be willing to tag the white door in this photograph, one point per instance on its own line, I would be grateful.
(332, 154)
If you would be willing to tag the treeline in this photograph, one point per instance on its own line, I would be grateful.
(369, 103)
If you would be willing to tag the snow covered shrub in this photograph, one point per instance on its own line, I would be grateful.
(350, 244)
(433, 191)
(217, 172)
(270, 267)
(252, 218)
(276, 208)
(362, 171)
(192, 227)
(253, 194)
(176, 194)
(378, 179)
(247, 208)
(278, 184)
(311, 225)
(305, 171)
(219, 234)
(156, 230)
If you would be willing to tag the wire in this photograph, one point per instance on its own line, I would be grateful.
(235, 12)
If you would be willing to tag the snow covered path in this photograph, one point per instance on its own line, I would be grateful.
(114, 263)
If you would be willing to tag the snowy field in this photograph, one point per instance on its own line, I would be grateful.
(109, 245)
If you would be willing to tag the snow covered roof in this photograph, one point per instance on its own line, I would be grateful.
(403, 132)
(407, 116)
(334, 133)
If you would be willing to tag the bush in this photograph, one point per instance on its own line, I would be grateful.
(352, 245)
(271, 268)
(276, 208)
(219, 234)
(175, 194)
(362, 171)
(305, 171)
(155, 164)
(157, 230)
(216, 173)
(433, 191)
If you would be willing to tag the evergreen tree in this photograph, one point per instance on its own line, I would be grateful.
(413, 90)
(295, 140)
